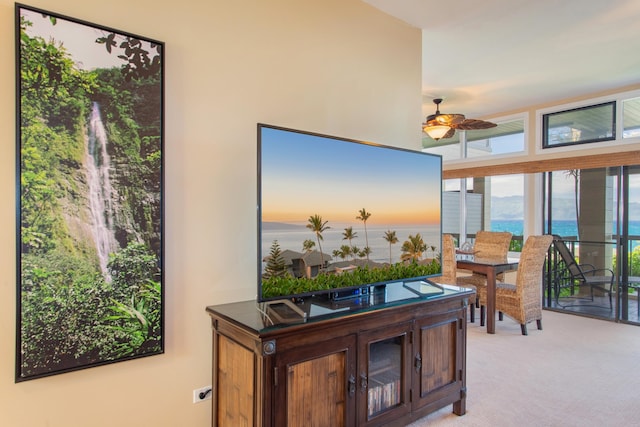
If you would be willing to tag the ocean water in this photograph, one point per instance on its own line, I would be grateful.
(561, 228)
(566, 229)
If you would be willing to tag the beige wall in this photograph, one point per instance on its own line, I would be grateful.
(331, 66)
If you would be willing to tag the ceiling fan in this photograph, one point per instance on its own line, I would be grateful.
(439, 125)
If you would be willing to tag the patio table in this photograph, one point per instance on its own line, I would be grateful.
(490, 268)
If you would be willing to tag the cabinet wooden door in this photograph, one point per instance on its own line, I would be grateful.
(315, 384)
(439, 358)
(383, 377)
(235, 372)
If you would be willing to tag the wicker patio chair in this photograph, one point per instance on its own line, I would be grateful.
(522, 301)
(448, 263)
(580, 274)
(488, 244)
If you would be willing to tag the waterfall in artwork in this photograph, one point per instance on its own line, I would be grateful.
(98, 166)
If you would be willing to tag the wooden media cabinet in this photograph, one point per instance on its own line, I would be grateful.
(384, 359)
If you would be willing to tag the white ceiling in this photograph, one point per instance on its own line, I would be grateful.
(492, 56)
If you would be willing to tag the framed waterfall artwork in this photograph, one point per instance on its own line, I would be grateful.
(90, 190)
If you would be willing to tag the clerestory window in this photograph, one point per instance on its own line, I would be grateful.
(594, 123)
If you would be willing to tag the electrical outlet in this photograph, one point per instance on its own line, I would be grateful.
(202, 394)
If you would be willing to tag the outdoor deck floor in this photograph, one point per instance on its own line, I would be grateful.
(598, 308)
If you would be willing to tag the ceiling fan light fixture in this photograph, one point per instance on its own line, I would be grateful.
(436, 132)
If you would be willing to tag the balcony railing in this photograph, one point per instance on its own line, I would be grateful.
(561, 294)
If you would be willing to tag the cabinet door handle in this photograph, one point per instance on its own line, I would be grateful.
(352, 385)
(363, 382)
(418, 362)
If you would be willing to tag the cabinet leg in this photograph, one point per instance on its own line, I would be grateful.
(460, 407)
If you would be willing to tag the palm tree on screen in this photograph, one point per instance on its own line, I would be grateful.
(390, 236)
(365, 252)
(349, 235)
(346, 251)
(308, 245)
(355, 252)
(413, 247)
(318, 227)
(363, 216)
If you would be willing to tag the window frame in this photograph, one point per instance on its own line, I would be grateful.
(547, 116)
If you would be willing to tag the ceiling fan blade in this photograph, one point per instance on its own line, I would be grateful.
(449, 119)
(449, 134)
(471, 124)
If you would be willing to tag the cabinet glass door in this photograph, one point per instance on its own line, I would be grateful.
(384, 381)
(385, 375)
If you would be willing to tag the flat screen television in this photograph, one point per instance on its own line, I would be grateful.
(337, 217)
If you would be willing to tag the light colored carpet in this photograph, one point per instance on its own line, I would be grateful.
(575, 372)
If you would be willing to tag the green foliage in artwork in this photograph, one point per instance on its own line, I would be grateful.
(136, 323)
(139, 62)
(63, 300)
(73, 317)
(135, 313)
(133, 266)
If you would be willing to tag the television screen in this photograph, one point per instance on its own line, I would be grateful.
(337, 216)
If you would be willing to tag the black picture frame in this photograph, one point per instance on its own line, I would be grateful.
(89, 194)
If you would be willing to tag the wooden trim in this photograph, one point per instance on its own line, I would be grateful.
(626, 158)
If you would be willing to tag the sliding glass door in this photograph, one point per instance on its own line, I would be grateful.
(596, 212)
